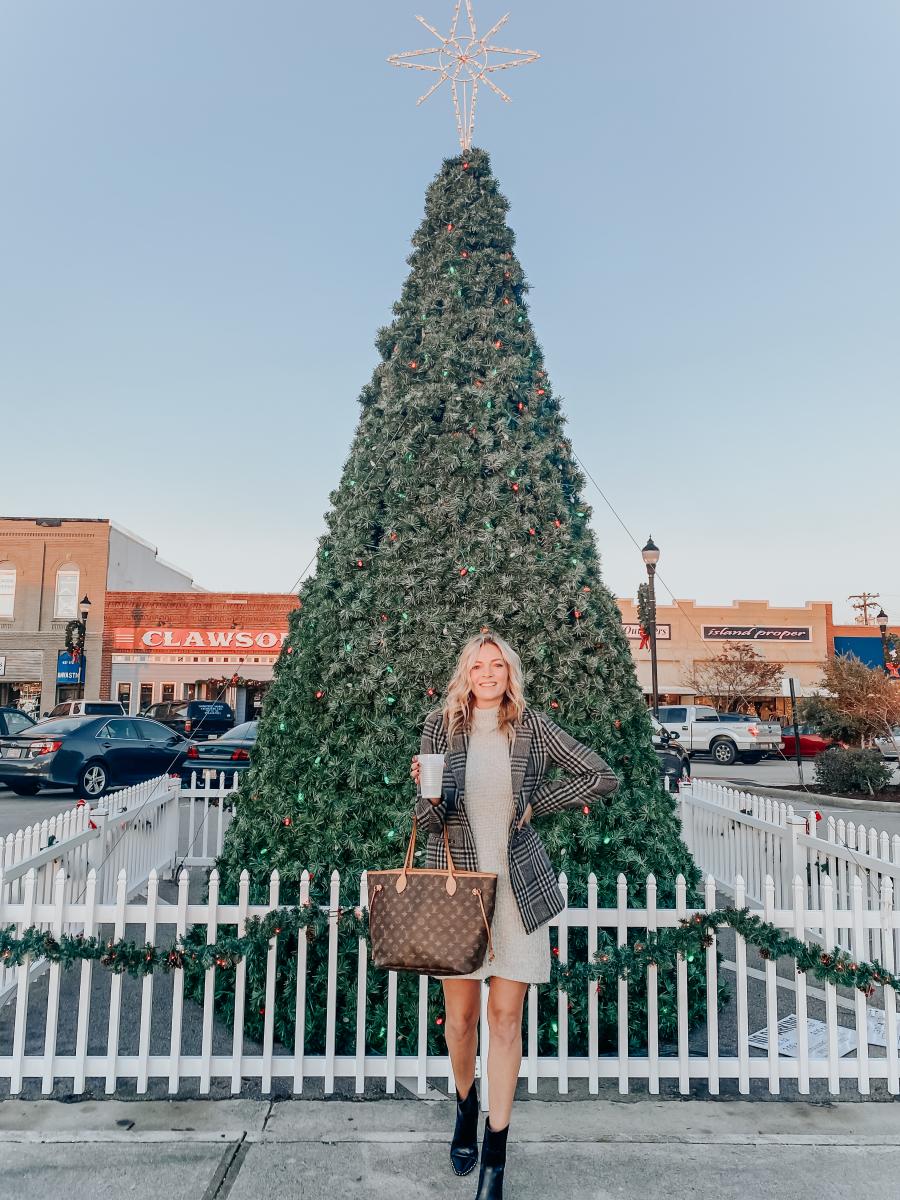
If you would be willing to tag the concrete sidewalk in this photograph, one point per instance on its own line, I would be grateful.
(397, 1149)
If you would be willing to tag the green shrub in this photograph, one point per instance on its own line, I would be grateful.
(843, 771)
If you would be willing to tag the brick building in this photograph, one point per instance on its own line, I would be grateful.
(160, 646)
(47, 566)
(798, 638)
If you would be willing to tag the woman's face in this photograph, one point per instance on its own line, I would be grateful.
(488, 676)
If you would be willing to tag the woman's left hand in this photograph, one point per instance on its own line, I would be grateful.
(526, 817)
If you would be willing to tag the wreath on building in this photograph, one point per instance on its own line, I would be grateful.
(75, 631)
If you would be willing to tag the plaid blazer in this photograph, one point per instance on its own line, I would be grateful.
(539, 744)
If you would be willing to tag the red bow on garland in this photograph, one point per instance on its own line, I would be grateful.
(645, 639)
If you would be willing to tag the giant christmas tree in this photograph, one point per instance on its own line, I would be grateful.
(460, 507)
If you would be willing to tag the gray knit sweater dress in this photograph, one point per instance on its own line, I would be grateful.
(490, 806)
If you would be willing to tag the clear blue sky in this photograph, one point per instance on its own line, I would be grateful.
(207, 208)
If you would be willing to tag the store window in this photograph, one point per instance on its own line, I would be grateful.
(167, 695)
(189, 691)
(7, 593)
(123, 695)
(66, 604)
(146, 696)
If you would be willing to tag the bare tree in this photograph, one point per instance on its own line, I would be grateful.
(862, 701)
(737, 675)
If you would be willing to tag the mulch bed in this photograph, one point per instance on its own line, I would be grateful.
(891, 792)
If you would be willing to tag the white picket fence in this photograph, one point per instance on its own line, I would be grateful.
(154, 826)
(207, 809)
(158, 923)
(732, 832)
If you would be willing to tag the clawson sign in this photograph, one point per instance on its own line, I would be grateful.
(757, 633)
(144, 641)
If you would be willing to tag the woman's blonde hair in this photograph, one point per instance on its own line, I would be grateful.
(458, 704)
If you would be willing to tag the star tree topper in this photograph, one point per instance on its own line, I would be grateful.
(465, 60)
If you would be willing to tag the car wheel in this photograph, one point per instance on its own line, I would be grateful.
(752, 758)
(723, 752)
(93, 780)
(24, 788)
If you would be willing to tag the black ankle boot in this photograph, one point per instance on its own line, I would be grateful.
(464, 1147)
(493, 1164)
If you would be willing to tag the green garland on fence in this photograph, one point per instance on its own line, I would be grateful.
(694, 934)
(658, 947)
(128, 957)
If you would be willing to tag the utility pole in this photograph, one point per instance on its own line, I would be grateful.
(865, 601)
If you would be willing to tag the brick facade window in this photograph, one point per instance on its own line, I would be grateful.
(7, 592)
(65, 605)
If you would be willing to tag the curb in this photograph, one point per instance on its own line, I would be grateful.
(815, 799)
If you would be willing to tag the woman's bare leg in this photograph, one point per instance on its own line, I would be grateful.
(505, 1001)
(462, 1006)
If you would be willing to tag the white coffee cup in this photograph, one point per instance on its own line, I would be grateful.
(431, 775)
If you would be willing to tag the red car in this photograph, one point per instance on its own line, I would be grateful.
(811, 743)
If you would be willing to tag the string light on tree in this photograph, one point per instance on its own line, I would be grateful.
(465, 61)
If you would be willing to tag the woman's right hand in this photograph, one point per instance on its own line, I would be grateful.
(414, 769)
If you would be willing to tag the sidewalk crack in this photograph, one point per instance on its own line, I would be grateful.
(228, 1169)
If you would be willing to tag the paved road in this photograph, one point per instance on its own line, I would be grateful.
(395, 1149)
(18, 812)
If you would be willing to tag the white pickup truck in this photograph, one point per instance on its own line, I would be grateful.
(702, 730)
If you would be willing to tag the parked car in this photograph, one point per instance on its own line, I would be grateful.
(765, 729)
(888, 745)
(86, 708)
(674, 760)
(13, 720)
(89, 754)
(196, 719)
(811, 742)
(229, 753)
(701, 730)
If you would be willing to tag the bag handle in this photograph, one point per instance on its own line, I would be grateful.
(408, 861)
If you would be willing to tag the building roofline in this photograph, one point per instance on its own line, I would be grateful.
(61, 520)
(807, 606)
(163, 562)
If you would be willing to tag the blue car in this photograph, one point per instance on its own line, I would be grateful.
(89, 754)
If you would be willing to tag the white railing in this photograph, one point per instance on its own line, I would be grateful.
(207, 809)
(732, 832)
(134, 831)
(159, 1013)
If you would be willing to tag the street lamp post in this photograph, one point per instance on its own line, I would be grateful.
(882, 620)
(650, 555)
(85, 613)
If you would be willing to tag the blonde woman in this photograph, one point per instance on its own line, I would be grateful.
(497, 753)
